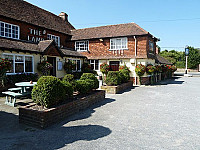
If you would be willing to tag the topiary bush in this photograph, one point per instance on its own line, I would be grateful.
(83, 86)
(122, 77)
(68, 89)
(70, 78)
(49, 91)
(113, 78)
(126, 75)
(91, 76)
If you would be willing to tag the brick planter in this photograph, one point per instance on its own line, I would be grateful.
(45, 118)
(118, 88)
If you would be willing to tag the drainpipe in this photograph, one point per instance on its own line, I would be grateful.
(135, 58)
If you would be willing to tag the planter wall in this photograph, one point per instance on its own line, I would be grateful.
(45, 118)
(118, 88)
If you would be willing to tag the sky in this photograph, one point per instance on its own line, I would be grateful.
(175, 22)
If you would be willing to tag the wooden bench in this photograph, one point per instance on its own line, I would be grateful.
(15, 89)
(12, 96)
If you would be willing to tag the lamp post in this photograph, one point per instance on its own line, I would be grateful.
(186, 58)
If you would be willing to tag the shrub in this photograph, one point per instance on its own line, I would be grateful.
(44, 67)
(69, 78)
(86, 67)
(49, 91)
(113, 78)
(83, 86)
(91, 76)
(68, 88)
(69, 66)
(122, 77)
(5, 66)
(77, 75)
(126, 75)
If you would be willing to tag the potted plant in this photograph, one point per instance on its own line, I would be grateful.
(150, 69)
(140, 70)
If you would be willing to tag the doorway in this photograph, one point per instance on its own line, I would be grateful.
(114, 65)
(52, 60)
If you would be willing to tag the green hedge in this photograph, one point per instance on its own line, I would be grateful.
(125, 76)
(83, 86)
(69, 89)
(91, 76)
(113, 78)
(70, 78)
(49, 91)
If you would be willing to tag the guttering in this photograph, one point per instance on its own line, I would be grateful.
(135, 57)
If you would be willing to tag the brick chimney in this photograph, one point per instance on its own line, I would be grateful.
(64, 16)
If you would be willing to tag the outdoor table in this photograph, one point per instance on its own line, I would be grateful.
(23, 85)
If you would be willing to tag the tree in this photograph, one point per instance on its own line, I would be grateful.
(193, 58)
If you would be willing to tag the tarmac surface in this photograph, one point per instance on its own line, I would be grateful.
(164, 116)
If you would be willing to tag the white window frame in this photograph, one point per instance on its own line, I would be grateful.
(76, 64)
(52, 37)
(95, 64)
(84, 43)
(11, 30)
(114, 40)
(15, 55)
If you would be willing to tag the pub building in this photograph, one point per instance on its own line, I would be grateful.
(29, 35)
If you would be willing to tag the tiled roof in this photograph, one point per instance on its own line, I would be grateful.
(26, 12)
(161, 60)
(7, 44)
(118, 30)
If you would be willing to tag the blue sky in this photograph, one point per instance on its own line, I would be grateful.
(175, 22)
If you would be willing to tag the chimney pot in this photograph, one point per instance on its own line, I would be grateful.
(64, 16)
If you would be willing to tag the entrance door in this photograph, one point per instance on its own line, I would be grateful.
(52, 60)
(114, 65)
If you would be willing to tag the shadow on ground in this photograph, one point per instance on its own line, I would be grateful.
(127, 90)
(16, 136)
(170, 81)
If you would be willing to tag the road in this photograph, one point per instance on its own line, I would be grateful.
(165, 116)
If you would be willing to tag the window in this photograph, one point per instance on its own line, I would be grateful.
(94, 64)
(118, 43)
(9, 30)
(77, 63)
(151, 47)
(82, 45)
(55, 38)
(20, 63)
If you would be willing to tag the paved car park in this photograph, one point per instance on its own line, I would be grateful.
(164, 116)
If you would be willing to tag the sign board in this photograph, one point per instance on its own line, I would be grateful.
(186, 51)
(60, 65)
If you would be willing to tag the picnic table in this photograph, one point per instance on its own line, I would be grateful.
(23, 89)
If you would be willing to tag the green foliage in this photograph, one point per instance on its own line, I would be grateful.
(193, 58)
(44, 67)
(172, 56)
(180, 64)
(49, 91)
(113, 78)
(91, 76)
(140, 70)
(77, 75)
(104, 68)
(5, 66)
(125, 76)
(70, 78)
(69, 66)
(68, 88)
(124, 67)
(86, 67)
(83, 86)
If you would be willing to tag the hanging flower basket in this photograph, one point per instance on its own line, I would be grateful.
(44, 67)
(140, 70)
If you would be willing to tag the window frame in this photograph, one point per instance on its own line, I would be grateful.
(94, 63)
(85, 50)
(12, 25)
(55, 36)
(24, 62)
(114, 41)
(151, 51)
(71, 59)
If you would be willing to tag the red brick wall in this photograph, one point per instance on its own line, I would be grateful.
(98, 49)
(25, 31)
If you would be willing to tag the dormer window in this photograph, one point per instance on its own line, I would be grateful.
(82, 45)
(55, 38)
(9, 30)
